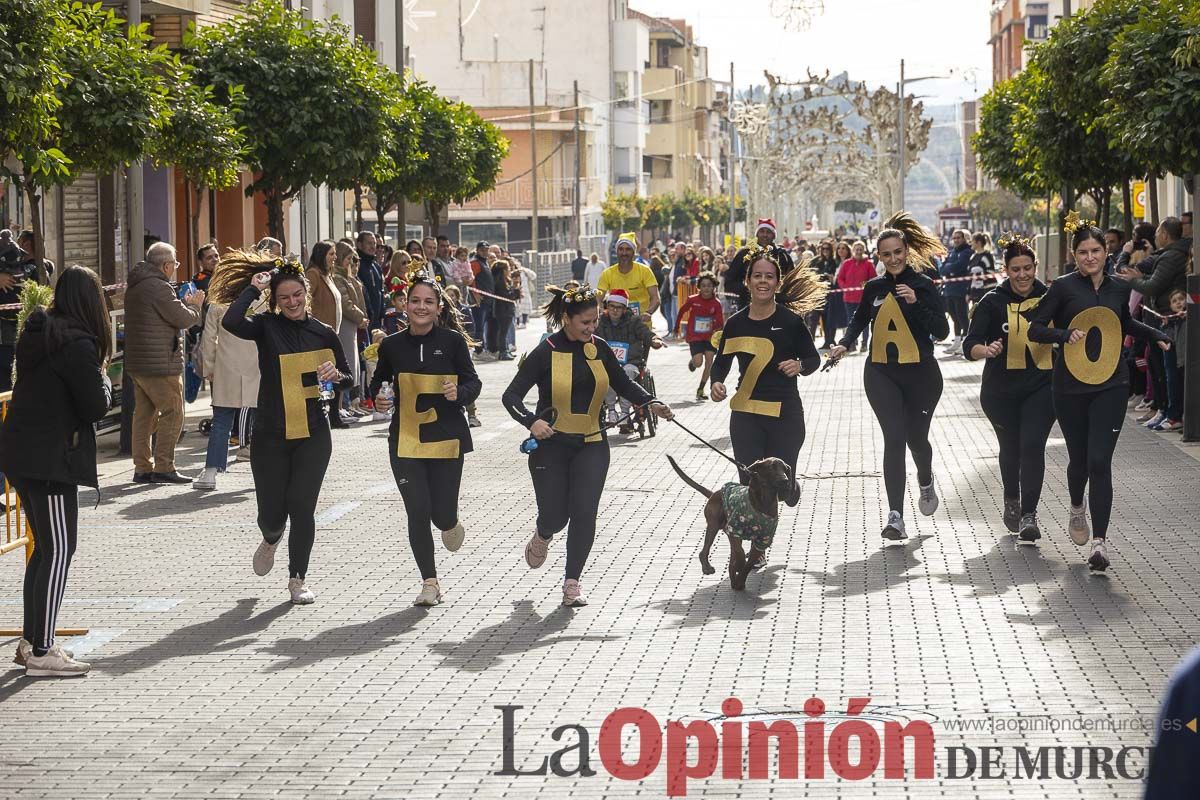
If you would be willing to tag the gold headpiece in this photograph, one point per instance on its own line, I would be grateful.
(1014, 238)
(1074, 222)
(580, 294)
(283, 266)
(757, 253)
(421, 275)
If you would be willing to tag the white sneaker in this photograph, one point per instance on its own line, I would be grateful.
(55, 664)
(25, 650)
(207, 481)
(928, 501)
(431, 593)
(243, 454)
(894, 529)
(379, 416)
(264, 556)
(1098, 560)
(1136, 400)
(1078, 526)
(453, 538)
(1157, 418)
(473, 421)
(301, 594)
(1143, 405)
(573, 593)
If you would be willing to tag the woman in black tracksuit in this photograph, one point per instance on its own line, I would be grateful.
(297, 354)
(901, 378)
(773, 347)
(48, 449)
(433, 380)
(1015, 392)
(572, 369)
(1089, 312)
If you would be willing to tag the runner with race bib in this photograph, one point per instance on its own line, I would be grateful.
(704, 319)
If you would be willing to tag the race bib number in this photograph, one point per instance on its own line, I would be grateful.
(636, 308)
(702, 325)
(620, 350)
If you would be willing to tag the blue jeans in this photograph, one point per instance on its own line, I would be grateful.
(218, 437)
(1174, 407)
(668, 311)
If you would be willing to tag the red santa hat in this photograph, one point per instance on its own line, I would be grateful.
(767, 223)
(618, 296)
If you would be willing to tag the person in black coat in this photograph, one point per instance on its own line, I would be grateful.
(48, 449)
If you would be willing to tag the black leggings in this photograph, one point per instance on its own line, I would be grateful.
(959, 314)
(287, 482)
(904, 397)
(568, 479)
(1022, 425)
(1091, 424)
(52, 510)
(429, 487)
(755, 437)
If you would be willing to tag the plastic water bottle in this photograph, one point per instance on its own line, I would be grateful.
(326, 391)
(386, 392)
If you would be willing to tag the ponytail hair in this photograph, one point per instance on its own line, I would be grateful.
(802, 291)
(237, 267)
(448, 314)
(922, 245)
(568, 301)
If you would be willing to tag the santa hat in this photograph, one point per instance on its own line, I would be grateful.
(628, 239)
(618, 296)
(767, 223)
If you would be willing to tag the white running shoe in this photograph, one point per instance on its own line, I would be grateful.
(536, 550)
(301, 594)
(25, 650)
(1143, 405)
(1098, 560)
(55, 664)
(928, 501)
(894, 529)
(573, 593)
(1078, 526)
(453, 538)
(264, 556)
(207, 481)
(431, 593)
(1157, 418)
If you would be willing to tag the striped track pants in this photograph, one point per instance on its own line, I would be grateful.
(53, 513)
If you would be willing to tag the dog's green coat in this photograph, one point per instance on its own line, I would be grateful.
(745, 521)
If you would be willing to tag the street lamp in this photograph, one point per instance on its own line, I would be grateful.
(902, 129)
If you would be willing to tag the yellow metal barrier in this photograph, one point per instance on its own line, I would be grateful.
(18, 534)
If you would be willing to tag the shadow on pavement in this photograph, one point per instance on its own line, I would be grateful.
(229, 630)
(1081, 601)
(350, 640)
(183, 503)
(1005, 566)
(524, 630)
(886, 567)
(715, 600)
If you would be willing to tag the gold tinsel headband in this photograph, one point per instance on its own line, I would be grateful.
(283, 266)
(1074, 222)
(580, 294)
(1014, 238)
(756, 254)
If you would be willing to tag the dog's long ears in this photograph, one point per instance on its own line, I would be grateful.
(688, 480)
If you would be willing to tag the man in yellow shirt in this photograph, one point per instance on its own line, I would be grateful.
(636, 279)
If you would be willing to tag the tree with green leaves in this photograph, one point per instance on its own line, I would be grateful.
(622, 212)
(29, 80)
(317, 104)
(995, 141)
(1151, 83)
(110, 101)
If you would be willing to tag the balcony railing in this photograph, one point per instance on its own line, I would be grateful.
(554, 194)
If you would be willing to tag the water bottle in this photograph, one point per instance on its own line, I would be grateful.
(326, 391)
(387, 392)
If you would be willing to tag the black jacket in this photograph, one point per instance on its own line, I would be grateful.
(60, 392)
(1094, 364)
(408, 361)
(1170, 273)
(921, 322)
(1023, 367)
(760, 346)
(735, 276)
(289, 353)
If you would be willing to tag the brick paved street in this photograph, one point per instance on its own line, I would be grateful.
(207, 683)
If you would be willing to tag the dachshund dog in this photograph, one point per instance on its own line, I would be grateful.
(744, 512)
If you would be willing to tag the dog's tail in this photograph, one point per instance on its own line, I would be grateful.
(688, 480)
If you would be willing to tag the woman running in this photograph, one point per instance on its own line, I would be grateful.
(1089, 312)
(572, 370)
(705, 318)
(773, 346)
(429, 366)
(301, 365)
(1015, 392)
(48, 450)
(905, 313)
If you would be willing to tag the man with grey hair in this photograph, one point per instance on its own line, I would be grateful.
(154, 361)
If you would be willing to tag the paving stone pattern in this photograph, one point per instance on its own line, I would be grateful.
(207, 683)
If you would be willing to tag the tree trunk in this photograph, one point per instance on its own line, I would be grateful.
(274, 203)
(1106, 208)
(194, 212)
(1068, 202)
(434, 209)
(1127, 201)
(381, 209)
(1152, 190)
(35, 218)
(358, 212)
